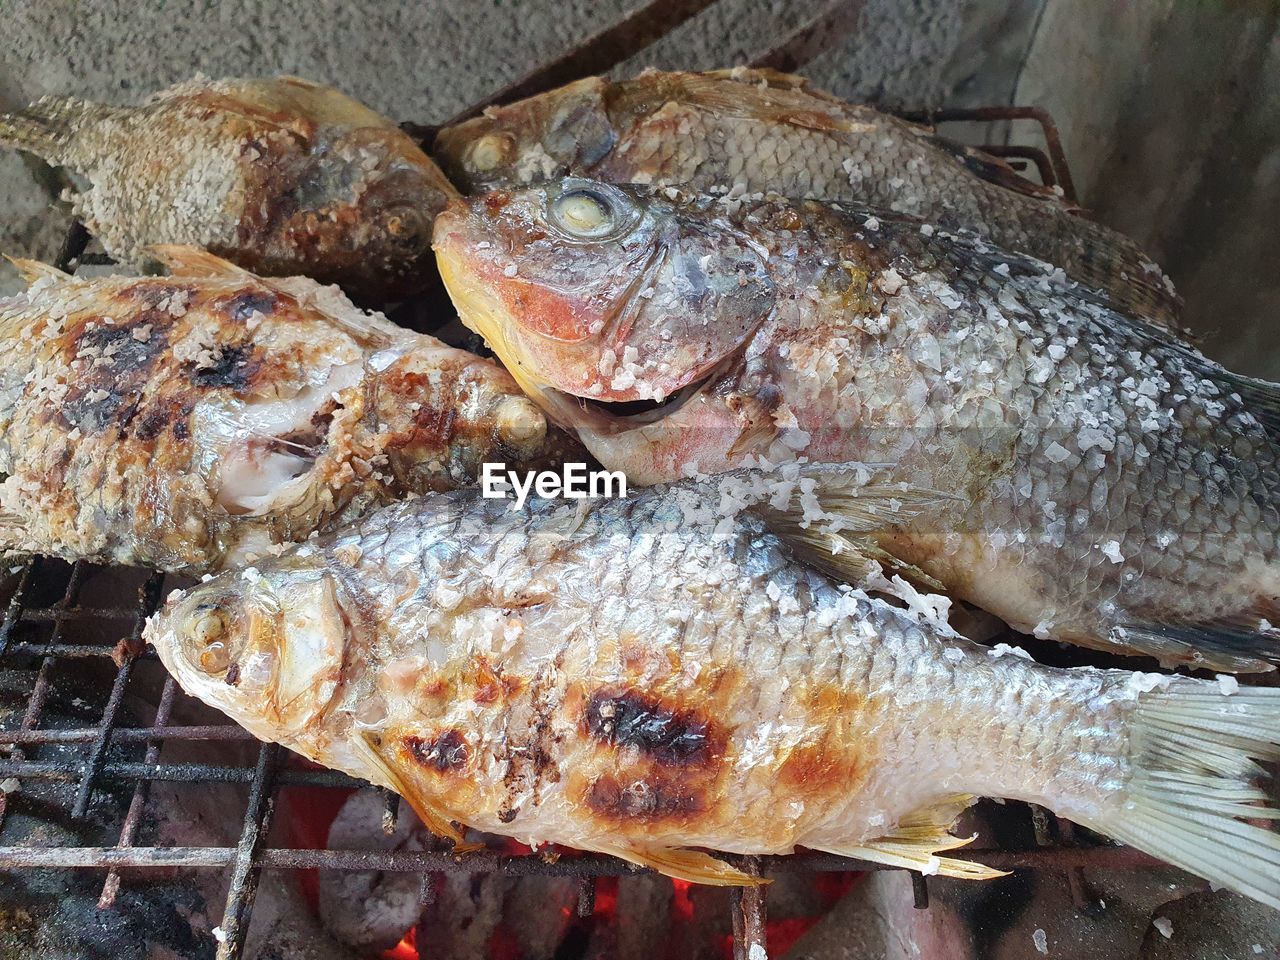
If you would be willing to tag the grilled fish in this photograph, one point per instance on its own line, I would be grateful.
(281, 176)
(1110, 485)
(658, 673)
(189, 421)
(763, 130)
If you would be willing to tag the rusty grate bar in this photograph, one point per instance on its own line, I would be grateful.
(1054, 858)
(748, 912)
(247, 864)
(132, 819)
(148, 599)
(1057, 159)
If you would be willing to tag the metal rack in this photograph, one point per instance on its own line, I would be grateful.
(39, 638)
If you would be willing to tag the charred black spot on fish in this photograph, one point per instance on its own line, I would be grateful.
(113, 363)
(648, 799)
(444, 753)
(507, 814)
(233, 675)
(163, 415)
(635, 720)
(244, 305)
(232, 366)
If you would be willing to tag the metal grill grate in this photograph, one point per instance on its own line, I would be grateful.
(43, 633)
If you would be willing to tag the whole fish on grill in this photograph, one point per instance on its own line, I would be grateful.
(1109, 485)
(281, 176)
(653, 674)
(759, 130)
(195, 420)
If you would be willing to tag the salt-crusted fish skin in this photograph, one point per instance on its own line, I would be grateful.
(1113, 487)
(282, 176)
(195, 420)
(760, 130)
(647, 675)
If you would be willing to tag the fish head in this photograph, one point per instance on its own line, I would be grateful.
(566, 130)
(265, 647)
(596, 294)
(373, 226)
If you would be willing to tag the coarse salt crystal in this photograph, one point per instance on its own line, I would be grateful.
(1041, 940)
(510, 270)
(1056, 452)
(219, 934)
(1111, 550)
(1164, 925)
(1228, 684)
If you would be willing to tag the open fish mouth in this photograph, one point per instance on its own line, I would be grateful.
(640, 412)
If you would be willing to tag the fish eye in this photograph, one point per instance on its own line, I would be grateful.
(587, 213)
(209, 634)
(489, 152)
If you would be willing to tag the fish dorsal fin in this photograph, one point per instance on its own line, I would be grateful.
(692, 865)
(370, 749)
(33, 270)
(831, 519)
(918, 839)
(187, 261)
(765, 99)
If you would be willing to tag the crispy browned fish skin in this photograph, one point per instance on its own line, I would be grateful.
(771, 131)
(282, 176)
(188, 421)
(1114, 487)
(656, 673)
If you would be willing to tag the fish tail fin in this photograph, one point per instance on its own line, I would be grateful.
(1191, 793)
(47, 127)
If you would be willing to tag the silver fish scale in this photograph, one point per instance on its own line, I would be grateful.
(1105, 466)
(655, 595)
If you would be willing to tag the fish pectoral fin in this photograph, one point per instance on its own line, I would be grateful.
(692, 865)
(918, 839)
(187, 261)
(33, 270)
(832, 518)
(433, 818)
